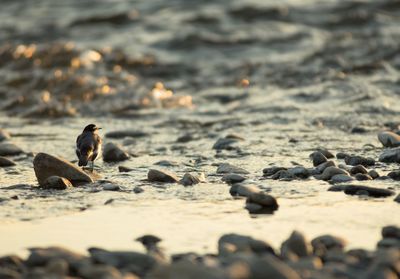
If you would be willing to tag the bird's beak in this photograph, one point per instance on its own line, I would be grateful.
(99, 128)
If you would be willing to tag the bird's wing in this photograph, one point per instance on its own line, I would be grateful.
(78, 140)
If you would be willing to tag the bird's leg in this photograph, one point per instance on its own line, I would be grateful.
(92, 166)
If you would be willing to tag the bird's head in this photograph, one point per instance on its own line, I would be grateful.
(91, 128)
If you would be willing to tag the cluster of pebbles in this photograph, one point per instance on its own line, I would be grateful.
(238, 257)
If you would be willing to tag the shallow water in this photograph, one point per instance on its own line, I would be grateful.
(316, 70)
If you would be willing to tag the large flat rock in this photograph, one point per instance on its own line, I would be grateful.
(46, 165)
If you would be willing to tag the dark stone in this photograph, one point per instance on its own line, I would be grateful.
(358, 169)
(114, 153)
(299, 172)
(233, 178)
(362, 177)
(162, 176)
(5, 162)
(124, 169)
(342, 155)
(272, 170)
(391, 232)
(359, 160)
(373, 192)
(318, 158)
(326, 153)
(395, 175)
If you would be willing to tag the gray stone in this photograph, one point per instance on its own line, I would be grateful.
(125, 134)
(167, 163)
(9, 149)
(362, 177)
(374, 174)
(4, 135)
(42, 256)
(390, 155)
(326, 153)
(111, 187)
(323, 166)
(242, 243)
(228, 168)
(191, 179)
(391, 231)
(327, 242)
(138, 190)
(46, 165)
(358, 169)
(329, 172)
(263, 199)
(225, 143)
(342, 155)
(253, 208)
(372, 192)
(299, 171)
(57, 183)
(156, 175)
(114, 153)
(135, 262)
(296, 245)
(359, 160)
(272, 170)
(389, 139)
(397, 199)
(124, 169)
(341, 178)
(395, 175)
(283, 175)
(232, 178)
(318, 158)
(5, 162)
(240, 189)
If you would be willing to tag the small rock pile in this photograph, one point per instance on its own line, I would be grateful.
(238, 257)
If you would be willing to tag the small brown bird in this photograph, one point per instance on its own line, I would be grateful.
(88, 145)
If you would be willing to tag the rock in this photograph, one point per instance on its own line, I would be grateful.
(296, 245)
(253, 208)
(155, 175)
(57, 183)
(187, 269)
(7, 273)
(111, 187)
(327, 242)
(225, 143)
(46, 165)
(391, 232)
(329, 172)
(397, 199)
(341, 178)
(300, 172)
(283, 175)
(372, 192)
(167, 163)
(134, 262)
(240, 189)
(124, 169)
(185, 138)
(272, 170)
(359, 160)
(337, 188)
(42, 256)
(242, 243)
(126, 134)
(318, 158)
(4, 135)
(228, 168)
(12, 262)
(114, 153)
(232, 178)
(395, 175)
(362, 177)
(9, 149)
(101, 272)
(326, 153)
(358, 169)
(390, 155)
(138, 190)
(374, 174)
(190, 179)
(263, 199)
(323, 166)
(358, 130)
(4, 162)
(389, 243)
(267, 266)
(342, 155)
(389, 139)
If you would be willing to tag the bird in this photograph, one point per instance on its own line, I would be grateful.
(88, 145)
